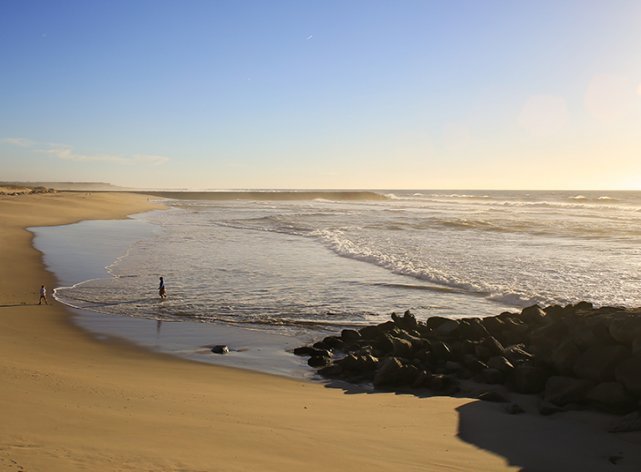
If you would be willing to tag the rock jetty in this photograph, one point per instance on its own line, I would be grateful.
(576, 356)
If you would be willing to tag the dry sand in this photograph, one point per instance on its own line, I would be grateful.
(69, 402)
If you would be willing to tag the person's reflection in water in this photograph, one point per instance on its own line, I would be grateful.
(158, 326)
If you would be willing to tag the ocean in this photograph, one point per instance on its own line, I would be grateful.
(316, 262)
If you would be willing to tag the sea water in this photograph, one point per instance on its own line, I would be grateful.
(321, 264)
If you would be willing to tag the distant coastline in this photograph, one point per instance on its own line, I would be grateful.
(270, 195)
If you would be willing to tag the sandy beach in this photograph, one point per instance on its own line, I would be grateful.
(70, 402)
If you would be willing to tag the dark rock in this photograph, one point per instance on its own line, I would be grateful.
(482, 352)
(332, 371)
(407, 321)
(563, 390)
(554, 311)
(322, 345)
(447, 329)
(583, 307)
(334, 342)
(492, 396)
(500, 363)
(416, 341)
(514, 332)
(440, 350)
(421, 380)
(318, 361)
(612, 397)
(625, 328)
(548, 336)
(371, 332)
(350, 336)
(628, 373)
(392, 371)
(493, 345)
(516, 354)
(358, 363)
(435, 321)
(472, 329)
(452, 367)
(220, 349)
(443, 384)
(491, 376)
(311, 351)
(533, 314)
(493, 325)
(401, 347)
(564, 357)
(598, 362)
(304, 351)
(472, 363)
(529, 379)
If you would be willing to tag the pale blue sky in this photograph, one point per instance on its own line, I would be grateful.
(311, 94)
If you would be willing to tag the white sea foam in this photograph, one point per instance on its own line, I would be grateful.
(274, 263)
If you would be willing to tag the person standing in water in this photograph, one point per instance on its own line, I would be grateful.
(43, 295)
(161, 289)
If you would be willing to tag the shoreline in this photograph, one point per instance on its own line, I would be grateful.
(70, 402)
(83, 252)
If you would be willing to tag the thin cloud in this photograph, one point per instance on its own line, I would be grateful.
(20, 142)
(66, 152)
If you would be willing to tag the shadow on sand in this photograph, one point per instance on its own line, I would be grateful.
(569, 441)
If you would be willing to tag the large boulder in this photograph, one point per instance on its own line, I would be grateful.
(311, 351)
(612, 397)
(533, 314)
(551, 333)
(318, 361)
(334, 342)
(493, 325)
(517, 354)
(490, 376)
(407, 321)
(563, 390)
(625, 328)
(472, 329)
(447, 329)
(358, 363)
(394, 372)
(527, 378)
(350, 336)
(500, 363)
(488, 347)
(628, 373)
(564, 357)
(444, 384)
(598, 362)
(440, 351)
(401, 347)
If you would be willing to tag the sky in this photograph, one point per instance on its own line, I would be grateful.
(322, 94)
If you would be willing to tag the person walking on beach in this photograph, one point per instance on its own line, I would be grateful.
(161, 289)
(43, 295)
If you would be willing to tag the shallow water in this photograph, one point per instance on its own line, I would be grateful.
(307, 267)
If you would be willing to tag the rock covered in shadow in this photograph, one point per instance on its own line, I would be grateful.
(573, 356)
